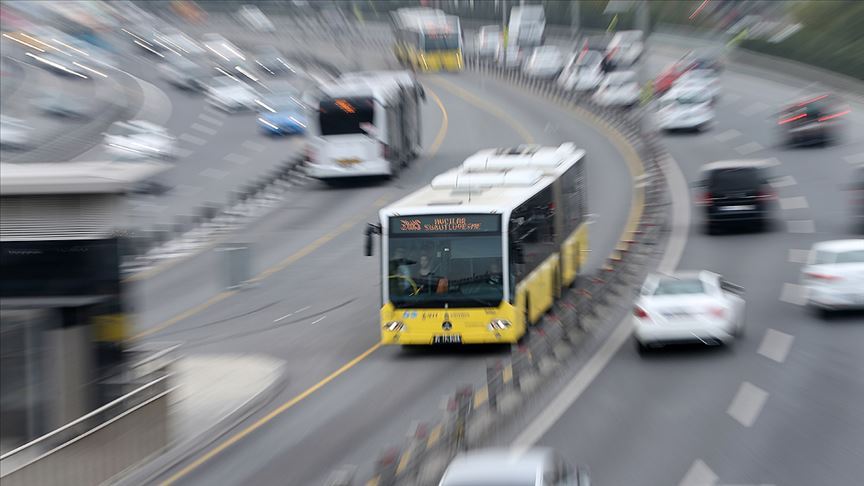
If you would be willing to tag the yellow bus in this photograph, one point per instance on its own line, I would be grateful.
(427, 39)
(483, 251)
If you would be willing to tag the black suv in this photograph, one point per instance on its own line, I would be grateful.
(736, 192)
(816, 120)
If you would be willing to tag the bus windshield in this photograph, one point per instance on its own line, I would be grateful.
(440, 42)
(457, 270)
(346, 116)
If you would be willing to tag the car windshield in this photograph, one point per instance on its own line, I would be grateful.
(734, 179)
(121, 130)
(852, 256)
(440, 42)
(679, 287)
(346, 116)
(437, 269)
(619, 81)
(692, 98)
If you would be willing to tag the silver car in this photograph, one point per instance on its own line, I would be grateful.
(505, 467)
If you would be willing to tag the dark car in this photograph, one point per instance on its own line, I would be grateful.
(736, 192)
(816, 120)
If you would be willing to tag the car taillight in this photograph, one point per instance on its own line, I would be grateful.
(823, 276)
(706, 199)
(310, 153)
(766, 194)
(835, 115)
(784, 121)
(640, 313)
(385, 150)
(718, 312)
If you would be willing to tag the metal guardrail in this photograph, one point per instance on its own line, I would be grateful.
(473, 412)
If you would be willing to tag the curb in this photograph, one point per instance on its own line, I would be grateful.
(151, 469)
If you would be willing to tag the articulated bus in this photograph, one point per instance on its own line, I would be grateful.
(367, 125)
(427, 39)
(483, 251)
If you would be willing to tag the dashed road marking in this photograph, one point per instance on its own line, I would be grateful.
(214, 173)
(210, 119)
(257, 147)
(771, 162)
(794, 294)
(775, 345)
(203, 129)
(188, 137)
(797, 202)
(784, 181)
(749, 148)
(236, 158)
(754, 108)
(799, 256)
(801, 226)
(727, 135)
(316, 321)
(699, 474)
(747, 404)
(854, 159)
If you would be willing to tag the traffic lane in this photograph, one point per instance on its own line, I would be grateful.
(609, 207)
(309, 213)
(312, 332)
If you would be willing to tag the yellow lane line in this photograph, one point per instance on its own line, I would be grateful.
(270, 416)
(485, 106)
(442, 131)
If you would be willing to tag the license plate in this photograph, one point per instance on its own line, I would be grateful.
(348, 161)
(447, 339)
(738, 208)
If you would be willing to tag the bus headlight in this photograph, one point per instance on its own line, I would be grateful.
(395, 326)
(498, 324)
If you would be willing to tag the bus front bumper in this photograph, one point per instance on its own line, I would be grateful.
(509, 335)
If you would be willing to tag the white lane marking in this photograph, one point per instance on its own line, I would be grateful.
(203, 129)
(771, 162)
(747, 404)
(799, 256)
(291, 313)
(188, 137)
(236, 158)
(253, 146)
(749, 148)
(801, 226)
(727, 135)
(794, 294)
(560, 404)
(214, 173)
(784, 181)
(316, 321)
(210, 119)
(797, 202)
(775, 345)
(699, 474)
(854, 159)
(680, 195)
(754, 108)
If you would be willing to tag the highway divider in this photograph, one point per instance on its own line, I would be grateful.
(474, 411)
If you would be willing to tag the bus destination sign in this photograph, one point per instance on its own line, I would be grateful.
(445, 223)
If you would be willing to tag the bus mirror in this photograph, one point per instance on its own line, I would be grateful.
(422, 92)
(371, 229)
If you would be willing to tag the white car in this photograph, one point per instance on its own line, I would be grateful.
(702, 79)
(253, 17)
(584, 72)
(687, 307)
(544, 62)
(625, 48)
(184, 73)
(685, 109)
(14, 133)
(618, 88)
(139, 139)
(497, 467)
(230, 94)
(221, 50)
(490, 41)
(834, 276)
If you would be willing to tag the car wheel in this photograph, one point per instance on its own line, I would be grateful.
(712, 229)
(823, 313)
(641, 348)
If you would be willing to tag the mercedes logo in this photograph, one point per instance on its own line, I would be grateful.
(447, 326)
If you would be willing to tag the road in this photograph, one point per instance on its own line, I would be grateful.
(781, 406)
(317, 307)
